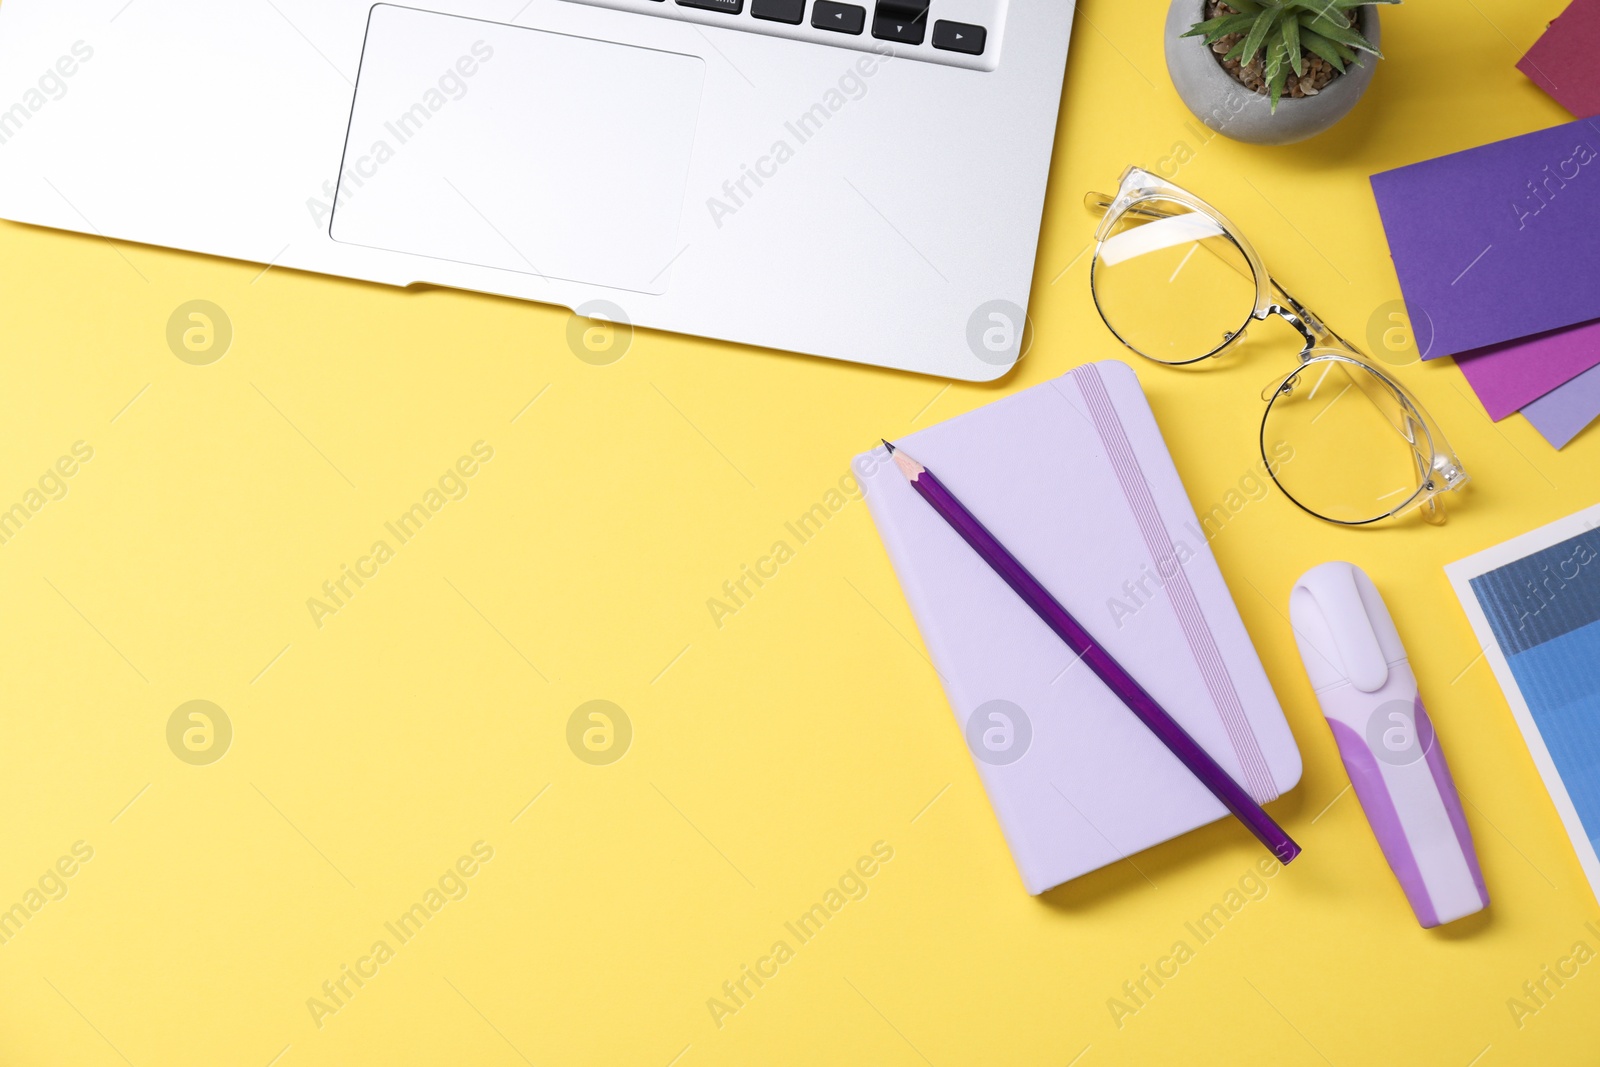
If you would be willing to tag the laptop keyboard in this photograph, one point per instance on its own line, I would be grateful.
(959, 33)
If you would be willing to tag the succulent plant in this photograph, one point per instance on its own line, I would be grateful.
(1283, 31)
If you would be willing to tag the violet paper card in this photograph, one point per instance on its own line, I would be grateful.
(1561, 414)
(1562, 62)
(1073, 477)
(1497, 243)
(1510, 376)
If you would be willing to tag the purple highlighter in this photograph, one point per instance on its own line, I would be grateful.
(1363, 680)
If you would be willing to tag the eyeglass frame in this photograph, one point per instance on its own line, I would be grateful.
(1438, 473)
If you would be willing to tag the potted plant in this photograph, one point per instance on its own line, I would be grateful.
(1272, 71)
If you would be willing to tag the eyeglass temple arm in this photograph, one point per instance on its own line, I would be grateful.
(1101, 202)
(1312, 328)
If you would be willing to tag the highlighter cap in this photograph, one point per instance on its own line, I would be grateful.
(1343, 628)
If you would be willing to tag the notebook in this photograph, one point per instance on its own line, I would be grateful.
(1534, 603)
(1073, 477)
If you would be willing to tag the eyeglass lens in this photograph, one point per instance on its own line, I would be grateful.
(1171, 284)
(1342, 443)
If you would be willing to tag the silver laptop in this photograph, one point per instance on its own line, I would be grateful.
(862, 181)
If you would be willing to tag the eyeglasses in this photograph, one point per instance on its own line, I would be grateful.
(1178, 283)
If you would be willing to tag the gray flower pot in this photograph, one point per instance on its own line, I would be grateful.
(1219, 101)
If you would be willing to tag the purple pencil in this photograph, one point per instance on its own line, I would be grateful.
(1037, 597)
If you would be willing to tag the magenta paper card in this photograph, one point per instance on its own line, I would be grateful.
(1507, 377)
(1562, 62)
(1498, 242)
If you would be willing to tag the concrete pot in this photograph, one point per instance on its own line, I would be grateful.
(1219, 101)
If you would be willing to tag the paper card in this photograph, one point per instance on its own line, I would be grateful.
(1508, 377)
(1563, 62)
(1497, 243)
(1534, 604)
(1561, 414)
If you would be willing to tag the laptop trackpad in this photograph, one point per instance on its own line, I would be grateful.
(520, 149)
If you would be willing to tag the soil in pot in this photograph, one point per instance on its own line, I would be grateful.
(1318, 71)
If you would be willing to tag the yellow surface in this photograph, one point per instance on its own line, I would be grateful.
(767, 755)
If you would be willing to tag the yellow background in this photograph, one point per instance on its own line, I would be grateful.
(768, 754)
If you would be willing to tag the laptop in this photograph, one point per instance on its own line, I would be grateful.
(861, 181)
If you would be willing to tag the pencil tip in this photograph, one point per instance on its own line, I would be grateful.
(887, 445)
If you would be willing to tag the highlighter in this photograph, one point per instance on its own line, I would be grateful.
(1364, 682)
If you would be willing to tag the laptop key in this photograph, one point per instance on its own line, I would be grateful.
(790, 11)
(956, 37)
(901, 21)
(727, 7)
(841, 18)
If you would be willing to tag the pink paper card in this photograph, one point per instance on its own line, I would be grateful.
(1509, 376)
(1563, 62)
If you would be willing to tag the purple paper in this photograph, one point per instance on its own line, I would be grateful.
(1499, 242)
(1562, 414)
(1508, 377)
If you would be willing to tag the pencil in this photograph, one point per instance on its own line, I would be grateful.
(1130, 692)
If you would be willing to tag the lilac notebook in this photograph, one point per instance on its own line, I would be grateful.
(1072, 476)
